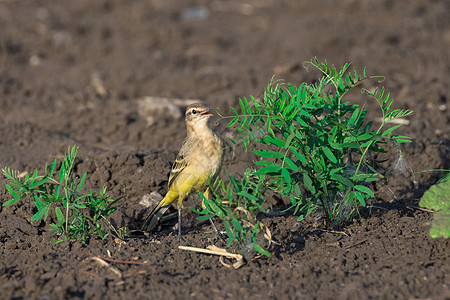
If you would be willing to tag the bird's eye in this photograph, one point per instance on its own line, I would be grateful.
(194, 111)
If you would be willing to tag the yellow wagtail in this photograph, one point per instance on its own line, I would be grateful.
(198, 162)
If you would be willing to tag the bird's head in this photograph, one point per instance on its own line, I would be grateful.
(197, 116)
(198, 112)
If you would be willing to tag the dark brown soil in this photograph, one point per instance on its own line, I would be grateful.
(55, 58)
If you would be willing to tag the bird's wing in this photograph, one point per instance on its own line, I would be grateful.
(181, 162)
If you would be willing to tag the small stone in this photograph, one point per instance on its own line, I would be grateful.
(195, 13)
(151, 200)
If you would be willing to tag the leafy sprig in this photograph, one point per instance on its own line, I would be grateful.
(237, 203)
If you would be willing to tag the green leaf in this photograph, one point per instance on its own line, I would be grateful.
(389, 131)
(38, 202)
(332, 135)
(52, 168)
(297, 190)
(60, 215)
(286, 175)
(352, 119)
(263, 162)
(299, 155)
(42, 210)
(230, 233)
(440, 227)
(293, 200)
(360, 198)
(261, 250)
(26, 179)
(329, 154)
(56, 192)
(12, 192)
(11, 202)
(80, 185)
(269, 128)
(205, 217)
(241, 104)
(301, 120)
(378, 149)
(402, 141)
(336, 146)
(247, 106)
(255, 231)
(351, 145)
(235, 183)
(290, 164)
(342, 179)
(271, 140)
(364, 137)
(364, 177)
(365, 190)
(236, 224)
(248, 196)
(309, 183)
(268, 153)
(309, 106)
(269, 169)
(437, 197)
(61, 174)
(216, 209)
(289, 140)
(233, 121)
(39, 183)
(55, 227)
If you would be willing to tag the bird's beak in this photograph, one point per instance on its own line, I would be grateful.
(207, 112)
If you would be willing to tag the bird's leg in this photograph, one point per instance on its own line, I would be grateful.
(179, 223)
(180, 206)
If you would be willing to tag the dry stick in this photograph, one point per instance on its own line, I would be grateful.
(208, 251)
(124, 275)
(217, 251)
(355, 244)
(108, 266)
(375, 206)
(102, 261)
(114, 260)
(88, 273)
(331, 231)
(420, 208)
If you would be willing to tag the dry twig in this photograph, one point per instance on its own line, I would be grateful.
(218, 251)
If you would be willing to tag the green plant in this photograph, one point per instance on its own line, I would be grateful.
(313, 147)
(437, 198)
(81, 214)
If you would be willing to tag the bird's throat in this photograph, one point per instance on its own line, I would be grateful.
(199, 129)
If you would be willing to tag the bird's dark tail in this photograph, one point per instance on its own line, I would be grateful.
(154, 217)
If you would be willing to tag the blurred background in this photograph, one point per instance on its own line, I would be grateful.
(92, 70)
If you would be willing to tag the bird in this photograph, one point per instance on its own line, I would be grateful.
(198, 163)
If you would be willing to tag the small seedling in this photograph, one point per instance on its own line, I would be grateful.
(77, 214)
